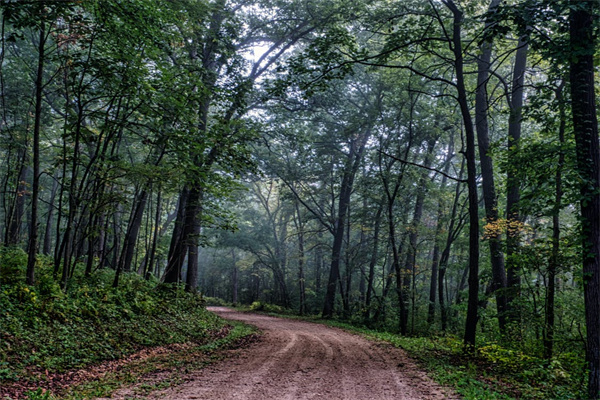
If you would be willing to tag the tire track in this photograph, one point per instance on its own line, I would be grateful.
(302, 360)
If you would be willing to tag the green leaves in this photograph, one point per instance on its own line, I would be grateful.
(93, 321)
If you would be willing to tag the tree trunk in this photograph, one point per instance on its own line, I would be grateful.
(585, 124)
(318, 264)
(373, 260)
(513, 195)
(133, 231)
(472, 314)
(47, 247)
(116, 236)
(234, 278)
(177, 249)
(152, 255)
(192, 233)
(554, 257)
(435, 259)
(35, 187)
(452, 234)
(499, 282)
(347, 281)
(338, 239)
(102, 240)
(393, 272)
(91, 238)
(188, 239)
(395, 269)
(354, 159)
(14, 222)
(71, 229)
(301, 255)
(411, 256)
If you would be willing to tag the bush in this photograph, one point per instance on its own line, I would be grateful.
(216, 301)
(13, 262)
(270, 308)
(43, 327)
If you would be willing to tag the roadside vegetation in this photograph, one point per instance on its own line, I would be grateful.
(91, 338)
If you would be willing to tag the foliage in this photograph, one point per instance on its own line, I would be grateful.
(216, 301)
(269, 308)
(163, 370)
(45, 328)
(11, 261)
(237, 126)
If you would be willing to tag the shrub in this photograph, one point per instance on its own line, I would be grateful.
(270, 308)
(13, 262)
(44, 328)
(216, 301)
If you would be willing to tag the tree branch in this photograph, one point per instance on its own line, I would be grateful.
(424, 167)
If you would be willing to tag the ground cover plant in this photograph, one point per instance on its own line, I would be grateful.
(49, 334)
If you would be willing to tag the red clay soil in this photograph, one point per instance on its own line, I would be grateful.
(302, 360)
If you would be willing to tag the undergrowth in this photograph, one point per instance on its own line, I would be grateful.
(170, 366)
(270, 308)
(45, 329)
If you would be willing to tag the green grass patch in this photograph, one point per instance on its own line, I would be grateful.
(263, 307)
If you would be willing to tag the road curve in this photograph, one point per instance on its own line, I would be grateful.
(302, 360)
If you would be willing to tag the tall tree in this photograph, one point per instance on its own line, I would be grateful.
(413, 236)
(554, 262)
(473, 301)
(354, 158)
(585, 124)
(499, 280)
(435, 258)
(513, 196)
(216, 49)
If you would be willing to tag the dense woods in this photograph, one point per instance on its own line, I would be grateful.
(424, 167)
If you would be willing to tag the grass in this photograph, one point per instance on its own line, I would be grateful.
(493, 372)
(150, 374)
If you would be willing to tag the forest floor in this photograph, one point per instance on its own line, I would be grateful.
(295, 359)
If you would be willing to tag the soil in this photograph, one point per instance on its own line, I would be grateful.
(301, 360)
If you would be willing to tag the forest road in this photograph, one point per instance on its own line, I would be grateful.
(302, 360)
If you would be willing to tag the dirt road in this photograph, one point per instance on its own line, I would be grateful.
(302, 360)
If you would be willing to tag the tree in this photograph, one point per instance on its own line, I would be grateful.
(585, 124)
(41, 19)
(513, 215)
(473, 302)
(35, 189)
(488, 185)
